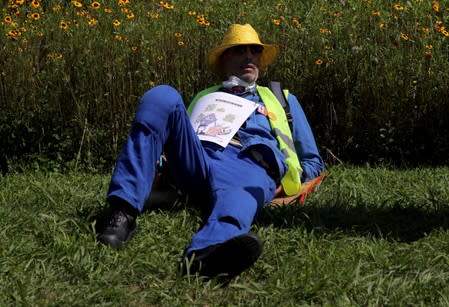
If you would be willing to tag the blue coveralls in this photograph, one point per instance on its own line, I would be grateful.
(237, 185)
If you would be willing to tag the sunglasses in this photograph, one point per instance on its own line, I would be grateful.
(242, 49)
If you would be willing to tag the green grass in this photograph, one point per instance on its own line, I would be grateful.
(368, 236)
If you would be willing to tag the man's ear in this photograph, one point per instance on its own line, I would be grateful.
(221, 71)
(222, 59)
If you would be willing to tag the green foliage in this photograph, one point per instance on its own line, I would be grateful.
(366, 237)
(372, 75)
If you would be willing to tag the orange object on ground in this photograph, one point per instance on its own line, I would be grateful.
(306, 188)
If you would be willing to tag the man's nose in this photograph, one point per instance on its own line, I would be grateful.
(248, 53)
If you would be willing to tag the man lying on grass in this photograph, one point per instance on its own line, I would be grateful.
(233, 145)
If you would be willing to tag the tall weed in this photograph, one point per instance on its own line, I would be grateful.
(372, 75)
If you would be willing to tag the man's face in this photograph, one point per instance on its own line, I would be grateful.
(242, 61)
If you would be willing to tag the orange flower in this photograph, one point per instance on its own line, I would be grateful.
(8, 19)
(92, 21)
(204, 23)
(436, 6)
(63, 25)
(77, 4)
(296, 23)
(123, 2)
(13, 34)
(202, 20)
(319, 62)
(35, 16)
(398, 7)
(95, 5)
(277, 21)
(405, 37)
(383, 26)
(35, 4)
(439, 26)
(166, 5)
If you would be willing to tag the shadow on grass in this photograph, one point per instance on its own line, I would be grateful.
(405, 224)
(399, 223)
(163, 200)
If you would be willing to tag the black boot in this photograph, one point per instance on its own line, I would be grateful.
(120, 225)
(227, 259)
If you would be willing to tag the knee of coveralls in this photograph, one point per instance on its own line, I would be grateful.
(155, 108)
(161, 122)
(162, 111)
(135, 168)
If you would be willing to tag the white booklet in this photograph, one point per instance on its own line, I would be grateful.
(216, 117)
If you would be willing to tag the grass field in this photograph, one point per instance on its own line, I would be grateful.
(367, 237)
(373, 76)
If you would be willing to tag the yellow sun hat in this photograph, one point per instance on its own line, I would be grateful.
(238, 34)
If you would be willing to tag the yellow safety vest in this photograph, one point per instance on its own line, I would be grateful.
(291, 182)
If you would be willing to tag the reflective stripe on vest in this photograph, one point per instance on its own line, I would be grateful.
(291, 182)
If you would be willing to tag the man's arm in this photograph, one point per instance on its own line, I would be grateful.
(306, 148)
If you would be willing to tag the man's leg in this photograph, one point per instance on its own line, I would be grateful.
(160, 118)
(239, 188)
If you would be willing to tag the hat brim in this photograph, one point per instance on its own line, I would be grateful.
(267, 58)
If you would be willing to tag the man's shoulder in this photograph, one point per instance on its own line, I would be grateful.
(200, 94)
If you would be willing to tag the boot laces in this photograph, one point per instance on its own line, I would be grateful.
(117, 218)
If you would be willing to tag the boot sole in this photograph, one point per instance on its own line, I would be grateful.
(230, 258)
(112, 240)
